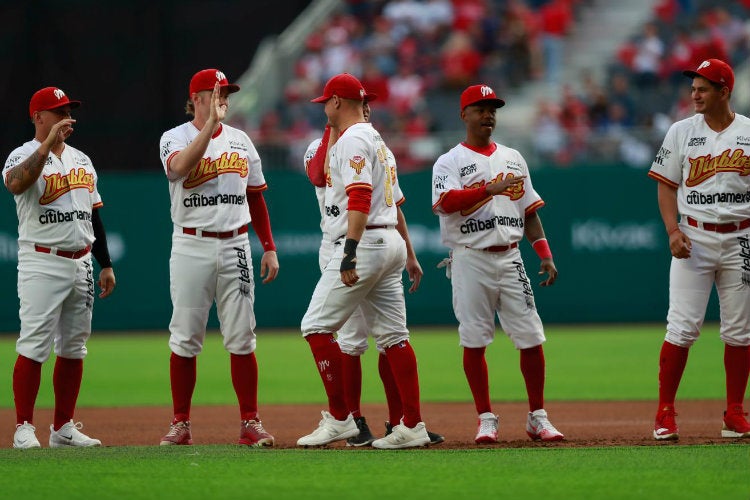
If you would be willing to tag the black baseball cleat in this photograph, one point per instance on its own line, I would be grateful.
(365, 437)
(434, 437)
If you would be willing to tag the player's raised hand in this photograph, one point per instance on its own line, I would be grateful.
(106, 282)
(218, 105)
(498, 186)
(680, 245)
(415, 273)
(59, 132)
(269, 266)
(548, 267)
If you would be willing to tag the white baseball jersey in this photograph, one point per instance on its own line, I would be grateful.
(213, 196)
(496, 220)
(711, 170)
(349, 169)
(56, 210)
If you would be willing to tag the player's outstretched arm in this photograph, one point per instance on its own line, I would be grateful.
(535, 234)
(22, 176)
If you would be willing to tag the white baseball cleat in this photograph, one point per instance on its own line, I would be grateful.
(330, 430)
(487, 428)
(70, 435)
(25, 437)
(538, 427)
(404, 437)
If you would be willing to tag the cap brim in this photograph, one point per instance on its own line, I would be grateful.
(233, 87)
(499, 103)
(72, 104)
(370, 96)
(322, 98)
(691, 74)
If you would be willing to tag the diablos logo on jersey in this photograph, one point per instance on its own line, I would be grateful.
(704, 167)
(57, 185)
(513, 192)
(357, 163)
(208, 169)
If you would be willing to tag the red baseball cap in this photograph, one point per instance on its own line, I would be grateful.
(714, 70)
(50, 98)
(480, 93)
(345, 86)
(207, 78)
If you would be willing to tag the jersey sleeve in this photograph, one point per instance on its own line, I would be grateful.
(17, 156)
(169, 145)
(444, 179)
(356, 166)
(530, 201)
(666, 167)
(256, 182)
(96, 199)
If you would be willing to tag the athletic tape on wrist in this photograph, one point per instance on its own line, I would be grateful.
(349, 261)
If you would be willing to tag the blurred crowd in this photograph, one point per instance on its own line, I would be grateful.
(417, 55)
(624, 119)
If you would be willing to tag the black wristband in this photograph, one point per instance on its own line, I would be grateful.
(349, 261)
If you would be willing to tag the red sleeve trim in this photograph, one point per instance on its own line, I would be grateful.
(360, 199)
(358, 185)
(401, 201)
(98, 205)
(534, 207)
(315, 168)
(662, 179)
(260, 220)
(169, 160)
(462, 199)
(256, 189)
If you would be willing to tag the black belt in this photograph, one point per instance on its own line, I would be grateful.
(222, 235)
(728, 227)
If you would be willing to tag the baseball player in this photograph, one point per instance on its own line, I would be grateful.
(352, 337)
(365, 270)
(483, 195)
(59, 227)
(702, 172)
(216, 185)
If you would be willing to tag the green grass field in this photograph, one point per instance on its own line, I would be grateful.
(584, 363)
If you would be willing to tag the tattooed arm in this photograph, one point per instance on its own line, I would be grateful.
(22, 176)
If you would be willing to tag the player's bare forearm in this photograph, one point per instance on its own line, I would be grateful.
(403, 230)
(533, 227)
(679, 244)
(187, 159)
(26, 173)
(356, 222)
(667, 199)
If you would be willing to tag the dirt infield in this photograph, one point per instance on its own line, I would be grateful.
(583, 423)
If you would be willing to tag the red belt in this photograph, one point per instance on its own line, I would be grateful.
(212, 234)
(68, 254)
(383, 226)
(497, 248)
(728, 227)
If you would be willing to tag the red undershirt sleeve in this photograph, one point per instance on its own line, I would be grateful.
(359, 200)
(316, 167)
(260, 220)
(461, 199)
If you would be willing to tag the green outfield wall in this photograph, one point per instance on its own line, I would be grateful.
(602, 224)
